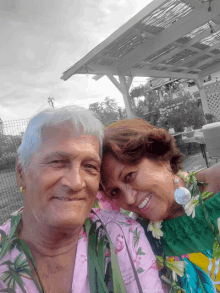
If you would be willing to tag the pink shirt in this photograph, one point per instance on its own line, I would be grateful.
(140, 250)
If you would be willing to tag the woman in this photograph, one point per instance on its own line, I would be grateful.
(140, 173)
(44, 245)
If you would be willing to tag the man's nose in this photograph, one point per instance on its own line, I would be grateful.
(130, 196)
(74, 178)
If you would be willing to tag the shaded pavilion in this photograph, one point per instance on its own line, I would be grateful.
(176, 39)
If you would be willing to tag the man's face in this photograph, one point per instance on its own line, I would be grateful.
(63, 177)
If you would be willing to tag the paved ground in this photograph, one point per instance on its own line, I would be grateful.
(195, 162)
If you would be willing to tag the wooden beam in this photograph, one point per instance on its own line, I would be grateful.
(129, 81)
(115, 82)
(186, 46)
(102, 69)
(157, 73)
(97, 77)
(210, 70)
(142, 72)
(199, 64)
(194, 57)
(199, 51)
(194, 3)
(114, 36)
(178, 29)
(110, 58)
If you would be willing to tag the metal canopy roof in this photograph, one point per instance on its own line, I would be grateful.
(168, 38)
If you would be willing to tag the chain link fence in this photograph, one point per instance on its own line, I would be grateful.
(11, 199)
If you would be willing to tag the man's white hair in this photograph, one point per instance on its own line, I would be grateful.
(77, 116)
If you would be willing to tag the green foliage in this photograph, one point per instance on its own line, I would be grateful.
(185, 113)
(210, 118)
(7, 161)
(148, 107)
(140, 270)
(136, 237)
(96, 260)
(96, 203)
(140, 252)
(216, 250)
(177, 113)
(107, 111)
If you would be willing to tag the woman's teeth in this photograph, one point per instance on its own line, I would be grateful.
(144, 202)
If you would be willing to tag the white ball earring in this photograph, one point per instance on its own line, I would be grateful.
(182, 195)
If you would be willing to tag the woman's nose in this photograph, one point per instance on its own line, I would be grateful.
(130, 196)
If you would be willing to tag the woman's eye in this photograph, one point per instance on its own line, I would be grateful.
(129, 177)
(115, 192)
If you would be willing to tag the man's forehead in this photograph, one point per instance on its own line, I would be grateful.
(63, 131)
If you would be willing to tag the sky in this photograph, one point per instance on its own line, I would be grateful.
(41, 39)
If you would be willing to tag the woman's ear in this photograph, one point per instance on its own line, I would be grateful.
(19, 175)
(168, 166)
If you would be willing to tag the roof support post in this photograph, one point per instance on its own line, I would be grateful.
(199, 83)
(123, 86)
(125, 92)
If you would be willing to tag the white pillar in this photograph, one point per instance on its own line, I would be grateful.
(203, 95)
(126, 96)
(123, 87)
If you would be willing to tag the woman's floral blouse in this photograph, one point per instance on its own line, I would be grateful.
(15, 265)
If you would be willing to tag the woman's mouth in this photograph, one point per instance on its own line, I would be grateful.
(145, 202)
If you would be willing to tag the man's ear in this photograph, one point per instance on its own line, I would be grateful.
(19, 174)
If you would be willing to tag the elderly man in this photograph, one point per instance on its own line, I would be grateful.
(44, 247)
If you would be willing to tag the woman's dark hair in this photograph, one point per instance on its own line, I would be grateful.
(130, 140)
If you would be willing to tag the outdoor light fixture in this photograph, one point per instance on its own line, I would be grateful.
(209, 9)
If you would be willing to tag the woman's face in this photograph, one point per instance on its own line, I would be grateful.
(146, 188)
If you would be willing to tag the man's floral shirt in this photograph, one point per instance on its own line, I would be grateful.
(16, 275)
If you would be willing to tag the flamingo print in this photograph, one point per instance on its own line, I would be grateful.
(137, 259)
(93, 216)
(119, 245)
(131, 222)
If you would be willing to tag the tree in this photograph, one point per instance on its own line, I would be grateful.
(181, 112)
(177, 108)
(107, 111)
(147, 107)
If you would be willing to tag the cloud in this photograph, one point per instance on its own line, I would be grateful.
(41, 39)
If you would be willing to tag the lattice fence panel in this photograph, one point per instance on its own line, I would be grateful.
(213, 98)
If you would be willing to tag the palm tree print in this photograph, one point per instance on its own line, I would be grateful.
(17, 269)
(136, 236)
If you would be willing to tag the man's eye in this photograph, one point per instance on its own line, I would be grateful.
(129, 177)
(90, 166)
(58, 162)
(115, 193)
